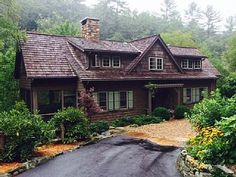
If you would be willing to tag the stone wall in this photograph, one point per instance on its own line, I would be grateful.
(188, 167)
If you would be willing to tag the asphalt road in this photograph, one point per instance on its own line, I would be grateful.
(114, 157)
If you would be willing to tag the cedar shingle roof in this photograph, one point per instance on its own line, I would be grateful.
(102, 45)
(51, 56)
(46, 56)
(186, 51)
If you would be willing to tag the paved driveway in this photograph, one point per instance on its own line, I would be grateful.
(119, 156)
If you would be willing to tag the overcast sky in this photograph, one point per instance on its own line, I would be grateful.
(225, 7)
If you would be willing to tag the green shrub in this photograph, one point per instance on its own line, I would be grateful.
(146, 119)
(124, 121)
(138, 120)
(99, 127)
(75, 123)
(210, 110)
(162, 112)
(180, 111)
(215, 145)
(227, 85)
(23, 132)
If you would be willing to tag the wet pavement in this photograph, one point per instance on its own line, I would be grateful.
(119, 156)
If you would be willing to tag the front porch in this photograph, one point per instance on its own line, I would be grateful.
(165, 95)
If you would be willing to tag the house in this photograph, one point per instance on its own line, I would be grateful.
(53, 69)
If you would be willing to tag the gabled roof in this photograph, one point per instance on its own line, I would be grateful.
(144, 45)
(186, 52)
(53, 56)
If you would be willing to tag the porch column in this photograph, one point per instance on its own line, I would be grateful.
(179, 95)
(149, 111)
(35, 101)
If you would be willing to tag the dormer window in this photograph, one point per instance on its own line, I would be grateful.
(116, 62)
(95, 61)
(191, 64)
(197, 64)
(106, 62)
(155, 64)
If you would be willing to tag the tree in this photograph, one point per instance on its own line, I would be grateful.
(230, 54)
(211, 19)
(58, 25)
(169, 11)
(230, 24)
(179, 38)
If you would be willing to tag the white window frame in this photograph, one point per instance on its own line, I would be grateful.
(109, 58)
(96, 62)
(113, 100)
(113, 58)
(193, 64)
(195, 94)
(200, 64)
(156, 59)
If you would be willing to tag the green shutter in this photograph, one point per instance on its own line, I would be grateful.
(110, 101)
(193, 95)
(117, 100)
(184, 95)
(130, 99)
(198, 94)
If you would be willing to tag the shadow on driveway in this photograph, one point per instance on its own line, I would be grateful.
(119, 156)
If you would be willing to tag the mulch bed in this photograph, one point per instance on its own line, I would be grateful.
(43, 151)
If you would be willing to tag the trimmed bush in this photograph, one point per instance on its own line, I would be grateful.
(75, 123)
(180, 111)
(124, 121)
(162, 113)
(99, 127)
(23, 132)
(138, 120)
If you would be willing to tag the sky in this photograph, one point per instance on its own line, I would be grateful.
(225, 7)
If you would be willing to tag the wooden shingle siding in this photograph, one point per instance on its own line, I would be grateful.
(25, 82)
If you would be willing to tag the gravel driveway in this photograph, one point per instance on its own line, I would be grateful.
(119, 156)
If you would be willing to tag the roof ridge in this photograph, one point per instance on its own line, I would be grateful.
(47, 34)
(182, 47)
(144, 38)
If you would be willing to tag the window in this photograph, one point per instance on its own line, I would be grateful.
(190, 64)
(49, 101)
(106, 62)
(193, 95)
(116, 62)
(102, 100)
(184, 64)
(114, 100)
(155, 63)
(197, 64)
(69, 99)
(95, 61)
(123, 100)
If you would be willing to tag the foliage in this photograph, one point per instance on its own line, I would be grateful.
(181, 111)
(227, 85)
(23, 132)
(230, 53)
(58, 25)
(99, 127)
(137, 120)
(162, 112)
(178, 38)
(210, 110)
(215, 145)
(74, 121)
(88, 103)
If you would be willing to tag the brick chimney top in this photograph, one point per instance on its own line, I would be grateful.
(90, 29)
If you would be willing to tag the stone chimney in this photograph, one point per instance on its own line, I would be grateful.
(90, 29)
